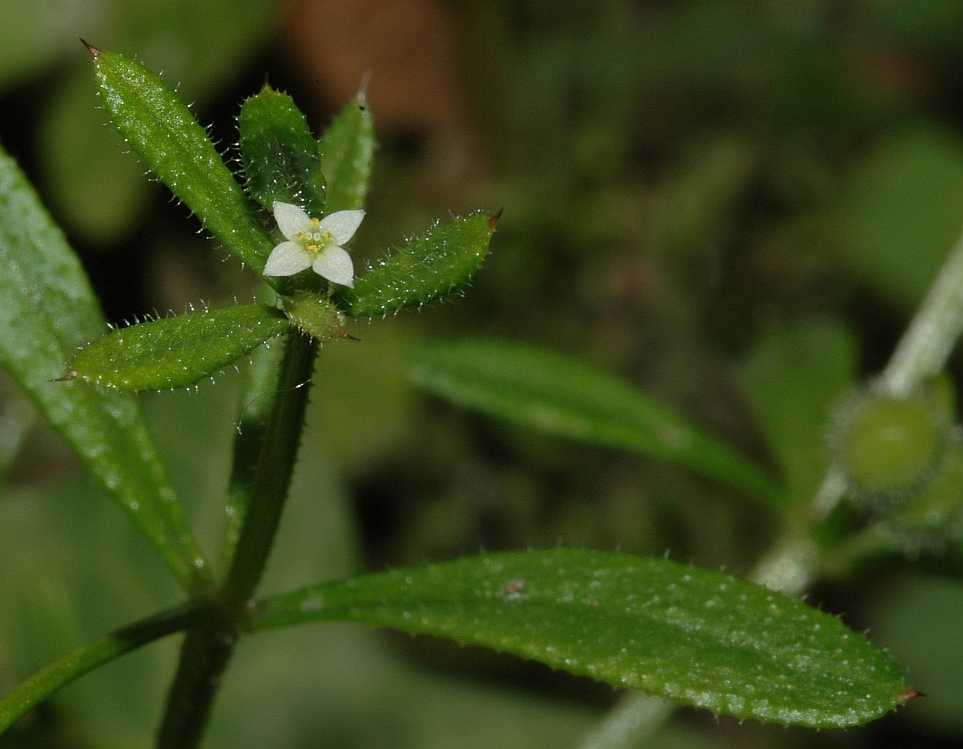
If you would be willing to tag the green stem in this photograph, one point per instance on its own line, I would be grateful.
(257, 403)
(636, 716)
(207, 649)
(931, 336)
(59, 674)
(275, 468)
(791, 565)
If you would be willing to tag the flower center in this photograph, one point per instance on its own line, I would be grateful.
(314, 239)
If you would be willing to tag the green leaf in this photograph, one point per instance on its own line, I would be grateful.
(176, 36)
(902, 211)
(48, 310)
(559, 395)
(68, 669)
(280, 155)
(314, 315)
(435, 264)
(16, 417)
(347, 151)
(161, 129)
(177, 351)
(690, 635)
(794, 378)
(33, 36)
(78, 151)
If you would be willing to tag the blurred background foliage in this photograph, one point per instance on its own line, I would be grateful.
(735, 206)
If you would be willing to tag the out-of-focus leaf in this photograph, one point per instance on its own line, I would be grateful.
(793, 379)
(559, 395)
(161, 129)
(16, 415)
(918, 620)
(177, 351)
(347, 151)
(188, 40)
(931, 24)
(199, 45)
(280, 155)
(48, 310)
(96, 185)
(46, 682)
(430, 266)
(690, 635)
(903, 211)
(33, 34)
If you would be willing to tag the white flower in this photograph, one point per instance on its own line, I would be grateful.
(313, 244)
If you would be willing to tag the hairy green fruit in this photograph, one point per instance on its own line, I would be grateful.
(934, 517)
(176, 351)
(890, 446)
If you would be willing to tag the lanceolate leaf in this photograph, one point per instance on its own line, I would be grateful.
(176, 351)
(691, 635)
(280, 155)
(439, 262)
(347, 151)
(47, 310)
(161, 129)
(558, 395)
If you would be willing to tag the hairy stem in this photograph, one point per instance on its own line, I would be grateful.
(207, 649)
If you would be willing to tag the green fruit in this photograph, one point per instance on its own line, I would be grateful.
(889, 446)
(934, 517)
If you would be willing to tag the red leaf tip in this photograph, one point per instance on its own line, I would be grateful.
(94, 52)
(909, 695)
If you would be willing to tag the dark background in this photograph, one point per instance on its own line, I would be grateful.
(694, 194)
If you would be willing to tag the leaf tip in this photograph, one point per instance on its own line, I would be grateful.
(910, 694)
(94, 51)
(361, 98)
(494, 218)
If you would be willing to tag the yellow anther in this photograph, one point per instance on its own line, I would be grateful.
(315, 222)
